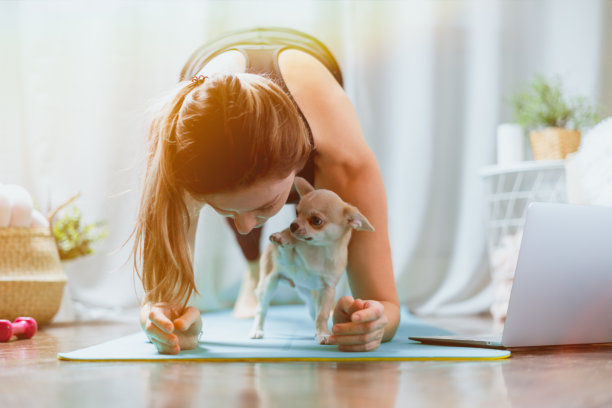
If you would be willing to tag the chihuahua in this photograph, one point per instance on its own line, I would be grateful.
(310, 255)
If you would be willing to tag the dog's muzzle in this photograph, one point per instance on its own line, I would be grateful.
(294, 228)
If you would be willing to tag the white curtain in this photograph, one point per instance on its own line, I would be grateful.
(430, 81)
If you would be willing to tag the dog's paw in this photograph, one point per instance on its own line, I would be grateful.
(322, 338)
(256, 334)
(279, 239)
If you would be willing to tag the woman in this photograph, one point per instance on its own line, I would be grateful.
(255, 109)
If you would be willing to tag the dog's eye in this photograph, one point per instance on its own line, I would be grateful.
(316, 221)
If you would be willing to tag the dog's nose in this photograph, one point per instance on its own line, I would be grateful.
(294, 226)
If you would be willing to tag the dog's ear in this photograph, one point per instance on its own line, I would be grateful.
(302, 186)
(356, 220)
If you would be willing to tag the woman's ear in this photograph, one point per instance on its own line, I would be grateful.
(302, 186)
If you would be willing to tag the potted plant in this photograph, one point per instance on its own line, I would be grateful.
(552, 119)
(74, 238)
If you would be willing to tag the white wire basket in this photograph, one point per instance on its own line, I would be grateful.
(508, 191)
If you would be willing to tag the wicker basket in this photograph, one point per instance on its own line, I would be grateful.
(554, 143)
(31, 275)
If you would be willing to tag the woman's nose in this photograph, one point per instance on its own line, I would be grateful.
(245, 222)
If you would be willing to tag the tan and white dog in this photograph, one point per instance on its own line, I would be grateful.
(311, 255)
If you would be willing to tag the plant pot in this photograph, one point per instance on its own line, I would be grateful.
(553, 143)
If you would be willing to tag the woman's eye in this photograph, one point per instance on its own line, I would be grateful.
(316, 221)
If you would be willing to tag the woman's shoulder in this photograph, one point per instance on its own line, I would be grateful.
(301, 71)
(327, 108)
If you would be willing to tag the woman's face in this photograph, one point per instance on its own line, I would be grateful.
(252, 206)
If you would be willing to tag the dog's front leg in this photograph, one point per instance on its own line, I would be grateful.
(325, 302)
(265, 291)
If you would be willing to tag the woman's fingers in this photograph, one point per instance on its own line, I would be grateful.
(171, 329)
(371, 310)
(186, 321)
(166, 343)
(345, 307)
(357, 304)
(158, 316)
(156, 334)
(344, 329)
(362, 338)
(188, 327)
(373, 345)
(359, 311)
(344, 304)
(159, 328)
(166, 349)
(365, 328)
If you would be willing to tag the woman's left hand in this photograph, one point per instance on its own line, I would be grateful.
(359, 325)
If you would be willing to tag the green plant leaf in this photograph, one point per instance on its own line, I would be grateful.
(74, 240)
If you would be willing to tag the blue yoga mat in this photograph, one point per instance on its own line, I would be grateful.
(289, 336)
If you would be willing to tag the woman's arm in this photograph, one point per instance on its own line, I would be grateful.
(346, 165)
(169, 327)
(370, 266)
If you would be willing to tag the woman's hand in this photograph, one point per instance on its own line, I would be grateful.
(171, 329)
(359, 325)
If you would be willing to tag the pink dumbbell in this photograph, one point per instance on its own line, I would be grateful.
(23, 328)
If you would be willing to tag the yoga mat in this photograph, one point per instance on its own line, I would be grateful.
(289, 336)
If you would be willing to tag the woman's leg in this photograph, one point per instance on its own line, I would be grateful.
(247, 302)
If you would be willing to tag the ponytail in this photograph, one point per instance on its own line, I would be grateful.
(161, 253)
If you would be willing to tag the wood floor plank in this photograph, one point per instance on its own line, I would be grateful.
(32, 376)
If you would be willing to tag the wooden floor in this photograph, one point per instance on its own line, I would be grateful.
(32, 376)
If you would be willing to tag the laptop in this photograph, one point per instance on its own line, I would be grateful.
(562, 289)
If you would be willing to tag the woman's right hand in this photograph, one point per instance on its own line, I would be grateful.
(169, 328)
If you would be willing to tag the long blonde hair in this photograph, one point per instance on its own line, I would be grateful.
(211, 137)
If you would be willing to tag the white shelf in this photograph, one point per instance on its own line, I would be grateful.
(535, 165)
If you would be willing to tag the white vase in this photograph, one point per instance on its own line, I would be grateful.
(510, 143)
